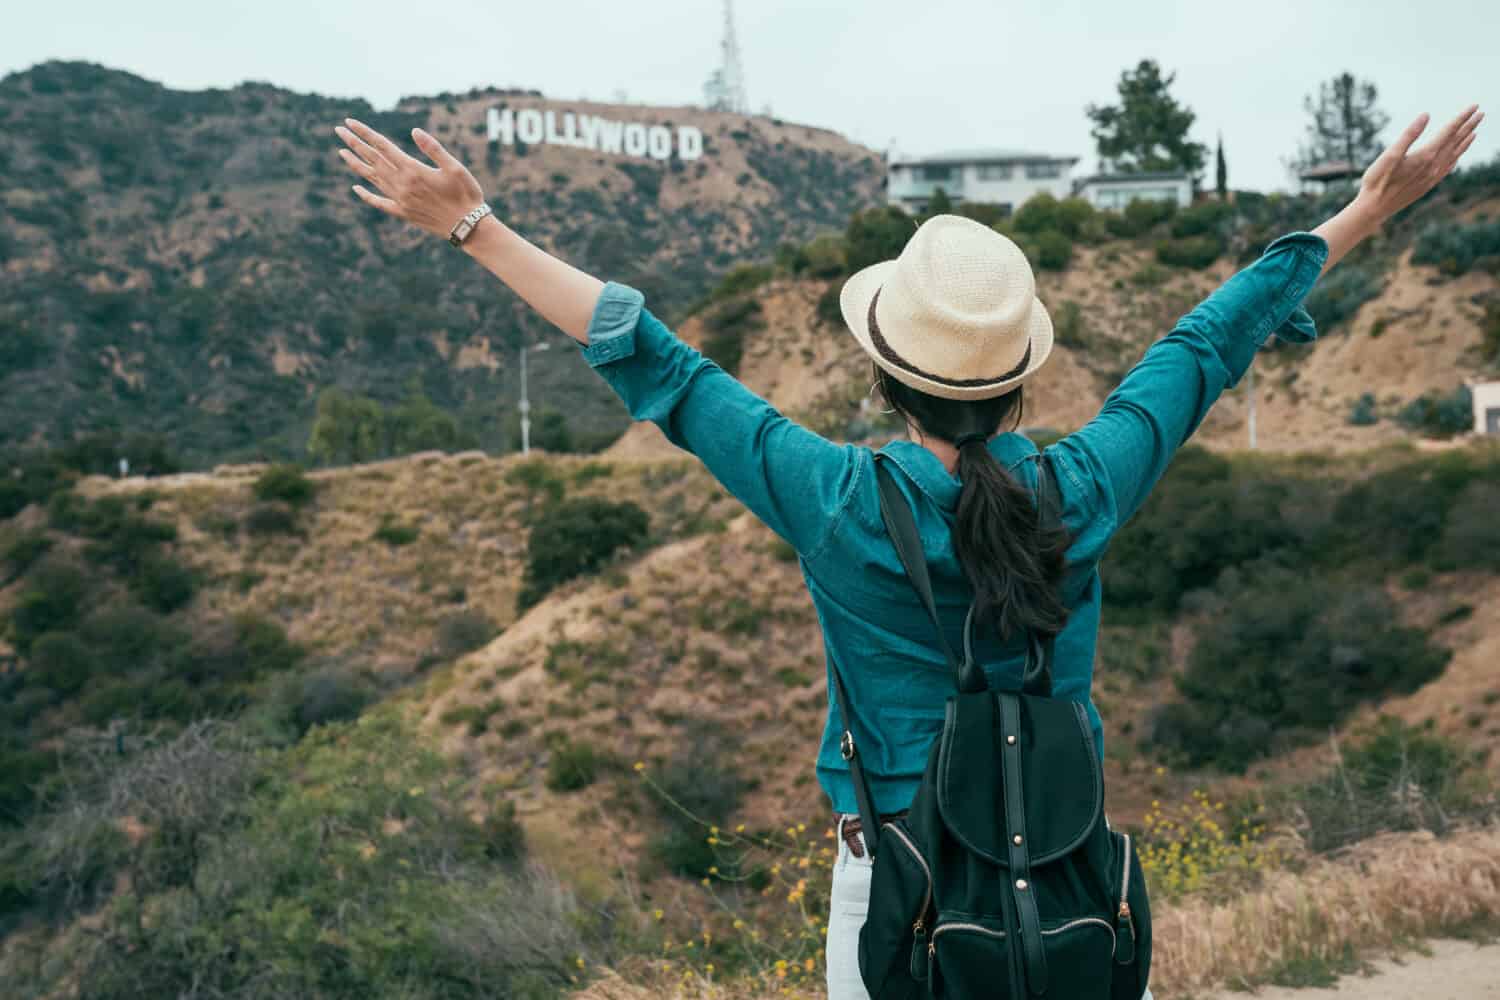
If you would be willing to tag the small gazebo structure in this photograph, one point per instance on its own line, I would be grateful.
(1331, 173)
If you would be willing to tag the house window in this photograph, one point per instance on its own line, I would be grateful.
(937, 173)
(996, 172)
(1043, 171)
(1492, 420)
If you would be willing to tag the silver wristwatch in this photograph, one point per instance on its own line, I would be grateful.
(468, 223)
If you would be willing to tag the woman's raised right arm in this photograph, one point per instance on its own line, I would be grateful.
(1120, 454)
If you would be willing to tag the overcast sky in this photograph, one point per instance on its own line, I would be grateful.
(925, 75)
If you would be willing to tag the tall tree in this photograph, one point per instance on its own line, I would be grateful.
(1346, 123)
(1148, 129)
(1221, 172)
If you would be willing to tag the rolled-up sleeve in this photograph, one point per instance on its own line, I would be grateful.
(791, 478)
(1161, 401)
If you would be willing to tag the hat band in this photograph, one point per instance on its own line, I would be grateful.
(889, 353)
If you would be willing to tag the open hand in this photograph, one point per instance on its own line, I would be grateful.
(1399, 176)
(433, 198)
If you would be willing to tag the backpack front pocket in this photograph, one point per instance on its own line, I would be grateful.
(969, 959)
(893, 941)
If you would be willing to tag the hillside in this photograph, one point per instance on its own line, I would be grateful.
(191, 264)
(464, 724)
(1421, 333)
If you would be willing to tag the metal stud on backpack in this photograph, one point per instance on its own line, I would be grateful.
(1004, 880)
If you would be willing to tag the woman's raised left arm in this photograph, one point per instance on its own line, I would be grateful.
(434, 196)
(794, 480)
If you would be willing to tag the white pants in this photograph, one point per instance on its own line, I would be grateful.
(849, 902)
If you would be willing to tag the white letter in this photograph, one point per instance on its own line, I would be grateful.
(635, 140)
(553, 136)
(609, 135)
(589, 126)
(502, 125)
(660, 140)
(570, 130)
(529, 125)
(689, 142)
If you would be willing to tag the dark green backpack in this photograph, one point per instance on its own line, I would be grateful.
(1003, 880)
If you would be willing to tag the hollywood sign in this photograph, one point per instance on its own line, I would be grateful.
(592, 132)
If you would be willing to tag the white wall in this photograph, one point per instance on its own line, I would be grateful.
(1487, 408)
(972, 182)
(1117, 194)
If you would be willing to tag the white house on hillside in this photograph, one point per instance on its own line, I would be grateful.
(1115, 191)
(1486, 407)
(1006, 178)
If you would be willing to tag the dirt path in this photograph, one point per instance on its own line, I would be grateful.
(1456, 970)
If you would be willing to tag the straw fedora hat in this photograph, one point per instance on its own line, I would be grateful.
(955, 315)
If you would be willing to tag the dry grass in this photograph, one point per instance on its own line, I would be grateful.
(1386, 892)
(1384, 895)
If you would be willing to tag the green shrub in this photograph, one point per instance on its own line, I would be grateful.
(573, 766)
(1391, 777)
(348, 867)
(1471, 531)
(163, 584)
(326, 696)
(1438, 415)
(1143, 215)
(740, 280)
(1037, 215)
(52, 599)
(725, 329)
(1069, 327)
(1190, 251)
(1454, 249)
(394, 533)
(825, 257)
(1363, 412)
(537, 479)
(271, 519)
(829, 311)
(1207, 218)
(576, 537)
(21, 551)
(1489, 333)
(875, 235)
(285, 483)
(1282, 656)
(60, 661)
(697, 787)
(462, 632)
(1052, 250)
(1338, 295)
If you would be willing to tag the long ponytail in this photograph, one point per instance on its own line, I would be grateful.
(1013, 558)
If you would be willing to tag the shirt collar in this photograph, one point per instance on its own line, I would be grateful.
(926, 470)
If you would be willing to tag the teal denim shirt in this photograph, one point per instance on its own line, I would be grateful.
(821, 497)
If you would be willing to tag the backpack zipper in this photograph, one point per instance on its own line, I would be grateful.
(1124, 921)
(991, 932)
(927, 899)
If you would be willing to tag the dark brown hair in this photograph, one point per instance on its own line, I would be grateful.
(1012, 558)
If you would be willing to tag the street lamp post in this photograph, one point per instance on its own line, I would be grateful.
(525, 405)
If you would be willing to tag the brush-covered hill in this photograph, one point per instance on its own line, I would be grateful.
(1405, 325)
(192, 264)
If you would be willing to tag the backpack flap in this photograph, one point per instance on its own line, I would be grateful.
(1062, 787)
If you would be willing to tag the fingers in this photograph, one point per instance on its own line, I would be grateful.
(1451, 129)
(1415, 129)
(367, 153)
(1468, 127)
(370, 198)
(434, 150)
(389, 151)
(357, 165)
